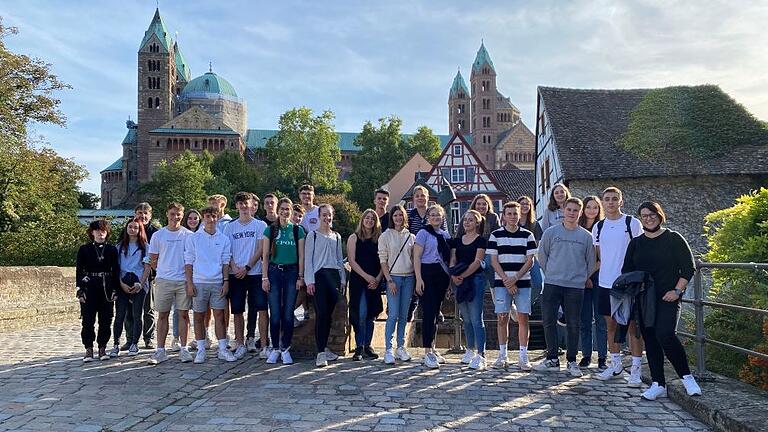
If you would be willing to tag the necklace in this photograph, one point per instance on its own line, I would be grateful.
(99, 254)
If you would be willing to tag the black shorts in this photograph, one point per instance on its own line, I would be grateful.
(247, 290)
(603, 301)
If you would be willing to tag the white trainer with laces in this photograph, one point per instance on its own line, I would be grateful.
(430, 360)
(250, 344)
(548, 365)
(611, 373)
(330, 355)
(468, 356)
(389, 357)
(654, 391)
(240, 352)
(158, 357)
(440, 359)
(285, 357)
(634, 379)
(523, 363)
(321, 361)
(184, 355)
(478, 362)
(403, 354)
(175, 345)
(273, 356)
(500, 363)
(691, 386)
(265, 352)
(226, 355)
(200, 357)
(574, 369)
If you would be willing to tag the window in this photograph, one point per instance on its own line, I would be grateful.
(149, 103)
(457, 150)
(455, 214)
(548, 173)
(157, 102)
(542, 185)
(486, 103)
(486, 121)
(458, 175)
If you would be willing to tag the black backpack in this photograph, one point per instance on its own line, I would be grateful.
(627, 220)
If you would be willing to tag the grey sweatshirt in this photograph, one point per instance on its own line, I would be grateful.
(322, 251)
(566, 256)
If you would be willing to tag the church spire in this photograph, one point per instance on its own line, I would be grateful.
(157, 28)
(482, 59)
(458, 84)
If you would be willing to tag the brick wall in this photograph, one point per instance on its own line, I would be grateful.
(33, 293)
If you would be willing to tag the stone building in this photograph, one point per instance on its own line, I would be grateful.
(488, 119)
(578, 133)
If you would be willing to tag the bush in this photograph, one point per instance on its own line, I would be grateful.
(347, 214)
(739, 234)
(53, 243)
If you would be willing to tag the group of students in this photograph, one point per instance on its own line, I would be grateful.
(207, 261)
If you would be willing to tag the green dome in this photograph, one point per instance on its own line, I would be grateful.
(209, 82)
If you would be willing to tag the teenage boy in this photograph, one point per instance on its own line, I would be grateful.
(567, 256)
(611, 237)
(512, 250)
(166, 256)
(220, 202)
(143, 212)
(244, 235)
(207, 254)
(270, 208)
(380, 205)
(311, 219)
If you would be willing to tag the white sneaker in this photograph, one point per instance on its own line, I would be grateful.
(285, 357)
(321, 360)
(184, 355)
(240, 352)
(468, 356)
(548, 365)
(265, 353)
(611, 373)
(250, 344)
(634, 380)
(389, 357)
(133, 350)
(440, 359)
(430, 360)
(523, 363)
(273, 356)
(114, 352)
(158, 357)
(330, 355)
(226, 355)
(500, 363)
(573, 369)
(200, 357)
(477, 362)
(654, 391)
(691, 386)
(175, 345)
(402, 354)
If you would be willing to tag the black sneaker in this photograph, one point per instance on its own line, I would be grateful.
(369, 354)
(126, 346)
(358, 354)
(585, 362)
(601, 364)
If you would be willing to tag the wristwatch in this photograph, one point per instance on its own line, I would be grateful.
(679, 292)
(247, 267)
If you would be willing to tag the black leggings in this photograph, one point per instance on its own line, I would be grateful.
(124, 303)
(435, 286)
(327, 282)
(661, 340)
(96, 305)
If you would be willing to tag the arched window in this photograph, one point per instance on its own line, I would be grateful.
(157, 102)
(168, 144)
(186, 143)
(149, 103)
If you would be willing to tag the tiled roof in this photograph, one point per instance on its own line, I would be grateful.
(257, 138)
(482, 58)
(515, 182)
(505, 133)
(588, 124)
(503, 102)
(182, 69)
(157, 27)
(116, 166)
(458, 84)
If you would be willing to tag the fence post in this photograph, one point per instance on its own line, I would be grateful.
(457, 327)
(698, 297)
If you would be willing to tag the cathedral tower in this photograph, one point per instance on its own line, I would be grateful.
(458, 107)
(484, 123)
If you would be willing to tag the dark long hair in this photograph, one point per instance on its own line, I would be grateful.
(530, 217)
(583, 217)
(125, 239)
(552, 206)
(185, 223)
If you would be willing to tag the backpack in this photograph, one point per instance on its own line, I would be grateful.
(627, 221)
(273, 230)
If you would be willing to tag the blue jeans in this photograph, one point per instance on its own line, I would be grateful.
(175, 321)
(282, 299)
(472, 314)
(588, 313)
(537, 279)
(397, 309)
(364, 325)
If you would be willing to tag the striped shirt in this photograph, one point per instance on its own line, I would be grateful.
(513, 250)
(416, 223)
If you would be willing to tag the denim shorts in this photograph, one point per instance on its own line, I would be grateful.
(502, 300)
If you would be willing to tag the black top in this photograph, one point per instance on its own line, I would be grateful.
(384, 222)
(150, 229)
(466, 253)
(97, 258)
(416, 223)
(667, 258)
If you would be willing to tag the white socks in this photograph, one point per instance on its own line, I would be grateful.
(637, 361)
(201, 345)
(616, 361)
(503, 350)
(523, 350)
(222, 344)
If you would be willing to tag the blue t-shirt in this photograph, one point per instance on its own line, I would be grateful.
(426, 240)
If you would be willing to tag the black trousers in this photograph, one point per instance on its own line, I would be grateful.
(96, 306)
(435, 285)
(661, 340)
(147, 315)
(327, 282)
(571, 299)
(133, 303)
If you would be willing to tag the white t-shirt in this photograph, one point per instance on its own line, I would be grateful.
(170, 246)
(613, 243)
(244, 240)
(223, 221)
(311, 220)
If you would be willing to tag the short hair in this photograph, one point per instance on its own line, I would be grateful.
(297, 208)
(325, 205)
(510, 204)
(574, 200)
(655, 208)
(420, 188)
(99, 225)
(612, 189)
(243, 196)
(552, 206)
(210, 210)
(270, 195)
(219, 198)
(307, 187)
(437, 207)
(143, 206)
(400, 208)
(381, 191)
(175, 206)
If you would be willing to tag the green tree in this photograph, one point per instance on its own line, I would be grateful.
(424, 142)
(304, 150)
(381, 155)
(234, 174)
(186, 180)
(87, 200)
(346, 216)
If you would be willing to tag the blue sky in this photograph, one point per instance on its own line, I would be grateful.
(366, 60)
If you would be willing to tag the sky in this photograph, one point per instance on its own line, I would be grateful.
(366, 60)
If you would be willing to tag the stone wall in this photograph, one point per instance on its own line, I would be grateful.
(31, 294)
(686, 200)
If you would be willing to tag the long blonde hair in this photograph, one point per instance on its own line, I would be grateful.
(486, 198)
(530, 218)
(360, 231)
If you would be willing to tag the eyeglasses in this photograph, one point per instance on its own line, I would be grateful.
(649, 216)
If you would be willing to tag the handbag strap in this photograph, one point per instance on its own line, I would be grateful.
(408, 237)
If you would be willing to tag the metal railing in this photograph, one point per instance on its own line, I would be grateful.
(698, 303)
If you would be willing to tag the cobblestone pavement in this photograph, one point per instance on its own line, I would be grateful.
(45, 386)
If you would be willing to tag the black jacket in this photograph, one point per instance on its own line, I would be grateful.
(634, 295)
(97, 269)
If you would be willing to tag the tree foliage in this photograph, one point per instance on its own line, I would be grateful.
(346, 213)
(304, 150)
(87, 200)
(234, 174)
(739, 234)
(425, 142)
(182, 180)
